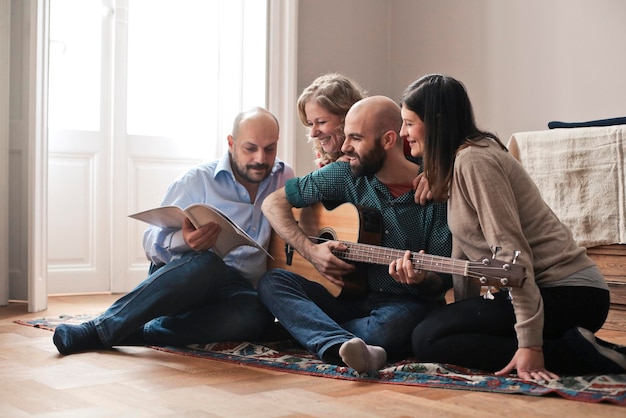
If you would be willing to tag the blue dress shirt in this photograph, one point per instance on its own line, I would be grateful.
(214, 183)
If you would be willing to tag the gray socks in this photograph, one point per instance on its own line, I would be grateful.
(362, 357)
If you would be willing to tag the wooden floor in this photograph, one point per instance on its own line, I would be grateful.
(36, 381)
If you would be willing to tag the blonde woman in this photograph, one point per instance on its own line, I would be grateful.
(322, 108)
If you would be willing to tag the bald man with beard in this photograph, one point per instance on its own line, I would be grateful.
(362, 332)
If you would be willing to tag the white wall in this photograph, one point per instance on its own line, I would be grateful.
(524, 62)
(346, 36)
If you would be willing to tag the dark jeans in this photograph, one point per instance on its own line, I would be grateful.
(196, 299)
(479, 333)
(319, 321)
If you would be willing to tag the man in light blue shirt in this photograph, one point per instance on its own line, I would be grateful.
(192, 295)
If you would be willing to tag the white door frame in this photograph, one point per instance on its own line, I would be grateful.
(38, 156)
(5, 66)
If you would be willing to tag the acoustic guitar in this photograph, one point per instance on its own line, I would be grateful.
(346, 222)
(359, 228)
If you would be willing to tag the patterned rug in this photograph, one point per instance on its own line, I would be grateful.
(289, 357)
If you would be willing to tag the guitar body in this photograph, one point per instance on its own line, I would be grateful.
(346, 222)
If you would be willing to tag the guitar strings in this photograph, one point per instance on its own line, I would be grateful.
(373, 254)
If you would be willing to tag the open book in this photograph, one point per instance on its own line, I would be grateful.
(231, 235)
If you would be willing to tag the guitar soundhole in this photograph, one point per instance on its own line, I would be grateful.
(326, 234)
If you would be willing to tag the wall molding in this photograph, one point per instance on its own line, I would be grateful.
(282, 73)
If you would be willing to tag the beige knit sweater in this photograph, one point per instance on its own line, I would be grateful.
(493, 202)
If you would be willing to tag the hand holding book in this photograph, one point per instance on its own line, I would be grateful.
(202, 238)
(231, 235)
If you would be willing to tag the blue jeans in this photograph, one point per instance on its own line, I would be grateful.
(196, 299)
(319, 321)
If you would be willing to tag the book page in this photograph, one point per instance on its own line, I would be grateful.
(231, 235)
(164, 216)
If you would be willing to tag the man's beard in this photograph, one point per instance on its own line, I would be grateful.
(243, 171)
(370, 163)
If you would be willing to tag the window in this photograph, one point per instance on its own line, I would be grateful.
(180, 69)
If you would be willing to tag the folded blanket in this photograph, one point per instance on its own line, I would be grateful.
(581, 174)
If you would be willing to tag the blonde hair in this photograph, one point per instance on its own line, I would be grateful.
(335, 93)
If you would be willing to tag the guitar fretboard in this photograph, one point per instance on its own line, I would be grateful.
(372, 254)
(488, 271)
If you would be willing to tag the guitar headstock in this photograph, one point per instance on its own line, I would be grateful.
(492, 272)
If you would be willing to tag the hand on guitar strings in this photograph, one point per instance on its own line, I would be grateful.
(403, 271)
(328, 264)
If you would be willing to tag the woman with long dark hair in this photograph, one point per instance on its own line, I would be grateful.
(542, 328)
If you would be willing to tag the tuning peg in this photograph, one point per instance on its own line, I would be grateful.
(494, 250)
(516, 254)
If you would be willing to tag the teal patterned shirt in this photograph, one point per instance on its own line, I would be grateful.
(406, 225)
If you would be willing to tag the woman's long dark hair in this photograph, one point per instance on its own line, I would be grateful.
(442, 103)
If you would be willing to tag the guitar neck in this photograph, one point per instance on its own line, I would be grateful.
(488, 271)
(348, 218)
(372, 254)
